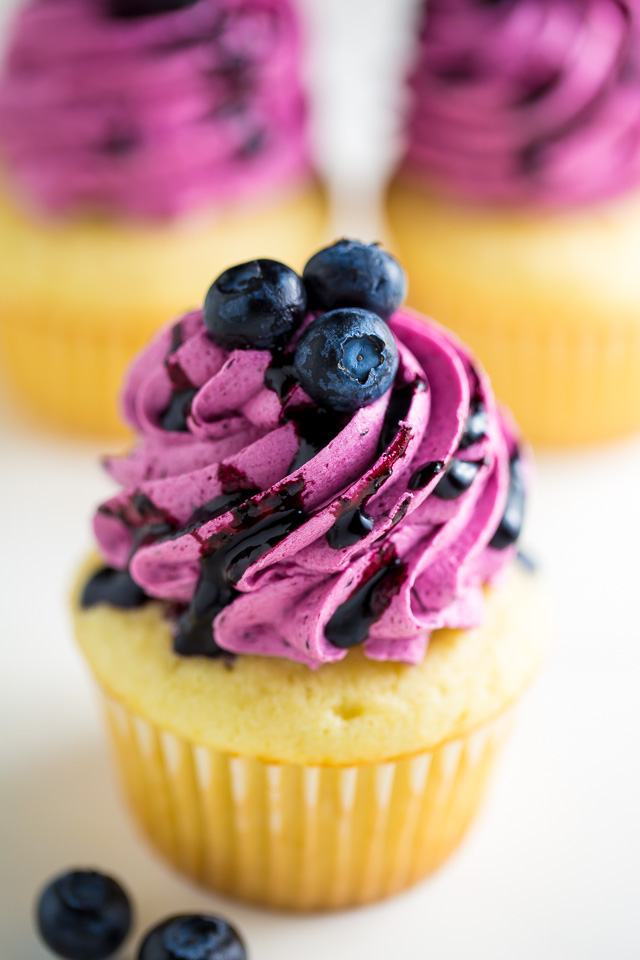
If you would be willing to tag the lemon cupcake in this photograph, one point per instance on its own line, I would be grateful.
(306, 621)
(141, 141)
(517, 207)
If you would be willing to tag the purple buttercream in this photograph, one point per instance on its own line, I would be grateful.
(156, 116)
(241, 436)
(528, 102)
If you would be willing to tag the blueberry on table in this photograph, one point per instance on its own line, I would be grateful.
(83, 915)
(255, 305)
(346, 359)
(196, 937)
(129, 9)
(353, 274)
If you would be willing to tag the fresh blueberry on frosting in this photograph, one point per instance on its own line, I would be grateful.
(346, 359)
(146, 8)
(195, 937)
(353, 274)
(83, 915)
(255, 305)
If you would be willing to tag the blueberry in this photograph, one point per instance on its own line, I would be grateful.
(346, 359)
(353, 274)
(255, 305)
(83, 915)
(129, 9)
(194, 937)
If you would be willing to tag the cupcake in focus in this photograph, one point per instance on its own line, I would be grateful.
(308, 621)
(141, 142)
(516, 209)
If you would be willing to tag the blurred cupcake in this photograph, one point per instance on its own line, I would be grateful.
(141, 141)
(307, 622)
(517, 207)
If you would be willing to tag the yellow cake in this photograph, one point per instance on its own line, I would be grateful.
(550, 304)
(79, 298)
(368, 791)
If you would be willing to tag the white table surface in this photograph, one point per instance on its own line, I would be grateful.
(552, 868)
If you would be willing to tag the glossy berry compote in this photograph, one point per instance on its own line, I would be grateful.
(193, 937)
(83, 915)
(311, 478)
(145, 8)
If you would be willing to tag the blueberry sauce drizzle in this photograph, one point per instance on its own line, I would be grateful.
(423, 476)
(256, 527)
(457, 479)
(351, 526)
(351, 622)
(476, 426)
(280, 375)
(352, 522)
(315, 428)
(397, 410)
(114, 587)
(510, 526)
(174, 417)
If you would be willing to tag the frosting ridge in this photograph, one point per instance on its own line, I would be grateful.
(535, 101)
(153, 116)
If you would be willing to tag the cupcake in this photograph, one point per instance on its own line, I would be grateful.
(517, 206)
(306, 620)
(141, 142)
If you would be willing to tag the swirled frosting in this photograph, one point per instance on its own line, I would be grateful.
(534, 101)
(273, 527)
(151, 116)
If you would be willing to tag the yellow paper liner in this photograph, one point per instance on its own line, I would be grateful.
(299, 837)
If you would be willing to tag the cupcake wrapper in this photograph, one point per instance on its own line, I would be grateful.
(300, 837)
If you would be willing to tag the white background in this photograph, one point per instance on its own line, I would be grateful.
(552, 869)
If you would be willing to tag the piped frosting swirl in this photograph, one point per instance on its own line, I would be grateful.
(527, 102)
(272, 527)
(155, 116)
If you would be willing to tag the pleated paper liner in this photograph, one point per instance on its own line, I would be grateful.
(294, 836)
